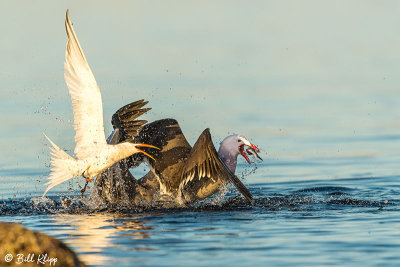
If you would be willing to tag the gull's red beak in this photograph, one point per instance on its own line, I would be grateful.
(243, 153)
(254, 147)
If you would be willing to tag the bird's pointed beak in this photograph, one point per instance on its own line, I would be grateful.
(251, 150)
(254, 147)
(145, 153)
(146, 145)
(243, 153)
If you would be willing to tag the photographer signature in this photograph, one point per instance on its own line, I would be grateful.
(41, 259)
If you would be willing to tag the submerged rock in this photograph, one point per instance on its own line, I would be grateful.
(19, 245)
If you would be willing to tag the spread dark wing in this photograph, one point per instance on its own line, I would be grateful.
(125, 120)
(204, 172)
(167, 135)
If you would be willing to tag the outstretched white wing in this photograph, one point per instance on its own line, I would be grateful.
(85, 96)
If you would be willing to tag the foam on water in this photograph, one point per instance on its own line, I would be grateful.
(309, 198)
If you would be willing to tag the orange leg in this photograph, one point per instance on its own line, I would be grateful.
(87, 181)
(84, 188)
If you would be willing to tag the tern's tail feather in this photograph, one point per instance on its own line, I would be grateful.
(64, 167)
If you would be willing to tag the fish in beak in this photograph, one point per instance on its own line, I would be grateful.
(251, 150)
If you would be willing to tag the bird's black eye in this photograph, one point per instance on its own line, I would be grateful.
(239, 140)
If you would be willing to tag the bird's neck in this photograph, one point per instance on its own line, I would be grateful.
(124, 150)
(229, 157)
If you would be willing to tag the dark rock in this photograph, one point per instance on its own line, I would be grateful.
(37, 249)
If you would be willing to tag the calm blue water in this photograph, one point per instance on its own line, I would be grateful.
(315, 85)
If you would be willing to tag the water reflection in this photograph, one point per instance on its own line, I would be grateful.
(134, 228)
(93, 234)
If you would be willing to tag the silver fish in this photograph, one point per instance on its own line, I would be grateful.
(252, 151)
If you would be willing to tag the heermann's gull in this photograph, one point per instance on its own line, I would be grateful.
(93, 154)
(180, 171)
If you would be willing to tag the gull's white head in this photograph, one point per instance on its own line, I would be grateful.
(235, 144)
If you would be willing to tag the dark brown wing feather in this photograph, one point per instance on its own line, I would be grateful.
(167, 135)
(204, 172)
(125, 119)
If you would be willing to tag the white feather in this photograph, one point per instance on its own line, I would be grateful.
(86, 98)
(93, 153)
(64, 167)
